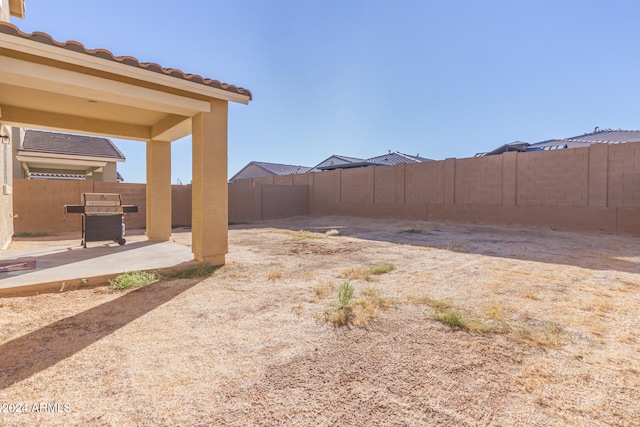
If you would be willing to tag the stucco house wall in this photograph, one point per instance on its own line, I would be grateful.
(6, 192)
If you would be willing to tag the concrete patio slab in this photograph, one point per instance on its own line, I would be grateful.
(67, 267)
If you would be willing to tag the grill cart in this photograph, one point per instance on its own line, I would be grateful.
(102, 217)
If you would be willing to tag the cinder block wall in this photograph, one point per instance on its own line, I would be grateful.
(39, 204)
(258, 199)
(596, 188)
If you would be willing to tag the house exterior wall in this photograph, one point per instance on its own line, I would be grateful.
(4, 10)
(108, 173)
(6, 190)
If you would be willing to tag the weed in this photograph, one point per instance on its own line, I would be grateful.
(193, 273)
(345, 295)
(450, 317)
(303, 234)
(132, 279)
(31, 234)
(499, 315)
(447, 314)
(344, 313)
(530, 295)
(180, 226)
(366, 273)
(332, 232)
(550, 335)
(379, 269)
(274, 274)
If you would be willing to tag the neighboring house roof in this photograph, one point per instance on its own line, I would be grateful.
(75, 46)
(349, 165)
(274, 169)
(608, 136)
(604, 136)
(39, 175)
(388, 159)
(63, 143)
(397, 158)
(280, 169)
(331, 161)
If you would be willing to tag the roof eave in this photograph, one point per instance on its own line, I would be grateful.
(50, 155)
(59, 54)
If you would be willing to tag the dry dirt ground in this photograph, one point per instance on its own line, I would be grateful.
(549, 333)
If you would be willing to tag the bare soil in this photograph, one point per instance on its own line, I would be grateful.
(554, 336)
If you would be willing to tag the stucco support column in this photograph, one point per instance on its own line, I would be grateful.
(158, 190)
(209, 223)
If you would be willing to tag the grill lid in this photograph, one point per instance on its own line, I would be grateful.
(101, 199)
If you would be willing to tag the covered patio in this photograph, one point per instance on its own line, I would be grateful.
(63, 86)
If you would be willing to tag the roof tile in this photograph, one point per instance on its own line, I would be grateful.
(64, 143)
(75, 46)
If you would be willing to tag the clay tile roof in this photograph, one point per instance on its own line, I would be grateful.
(64, 143)
(75, 46)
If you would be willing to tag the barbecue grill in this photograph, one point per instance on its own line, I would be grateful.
(102, 217)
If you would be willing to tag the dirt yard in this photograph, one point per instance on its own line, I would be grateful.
(546, 331)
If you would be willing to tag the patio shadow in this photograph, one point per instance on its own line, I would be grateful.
(41, 349)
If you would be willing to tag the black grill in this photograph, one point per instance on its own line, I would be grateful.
(102, 217)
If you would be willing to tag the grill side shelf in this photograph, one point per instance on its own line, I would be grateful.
(79, 209)
(129, 208)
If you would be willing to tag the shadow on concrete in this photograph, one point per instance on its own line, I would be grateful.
(62, 266)
(60, 255)
(41, 349)
(595, 251)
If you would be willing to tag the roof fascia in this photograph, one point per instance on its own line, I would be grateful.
(73, 83)
(60, 54)
(44, 155)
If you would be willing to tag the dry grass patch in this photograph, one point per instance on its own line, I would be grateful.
(322, 291)
(358, 311)
(274, 274)
(550, 334)
(628, 336)
(369, 306)
(302, 234)
(366, 273)
(529, 294)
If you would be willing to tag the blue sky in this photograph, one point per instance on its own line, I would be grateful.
(361, 77)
